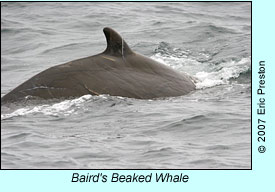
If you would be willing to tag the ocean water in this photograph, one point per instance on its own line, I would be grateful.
(210, 128)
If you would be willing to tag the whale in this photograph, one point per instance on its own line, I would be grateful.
(117, 71)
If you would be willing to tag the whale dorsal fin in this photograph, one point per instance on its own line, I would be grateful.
(115, 44)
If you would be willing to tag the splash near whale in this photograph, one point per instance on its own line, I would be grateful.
(118, 71)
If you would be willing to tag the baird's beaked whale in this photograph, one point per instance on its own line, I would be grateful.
(118, 71)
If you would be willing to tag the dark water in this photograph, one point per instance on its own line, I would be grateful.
(208, 128)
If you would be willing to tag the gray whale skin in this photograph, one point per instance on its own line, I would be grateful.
(118, 71)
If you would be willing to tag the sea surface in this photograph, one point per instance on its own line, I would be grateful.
(210, 128)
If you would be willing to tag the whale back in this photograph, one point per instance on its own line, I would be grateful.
(118, 71)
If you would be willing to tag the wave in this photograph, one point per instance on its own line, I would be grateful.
(227, 71)
(208, 31)
(206, 73)
(62, 47)
(65, 108)
(61, 109)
